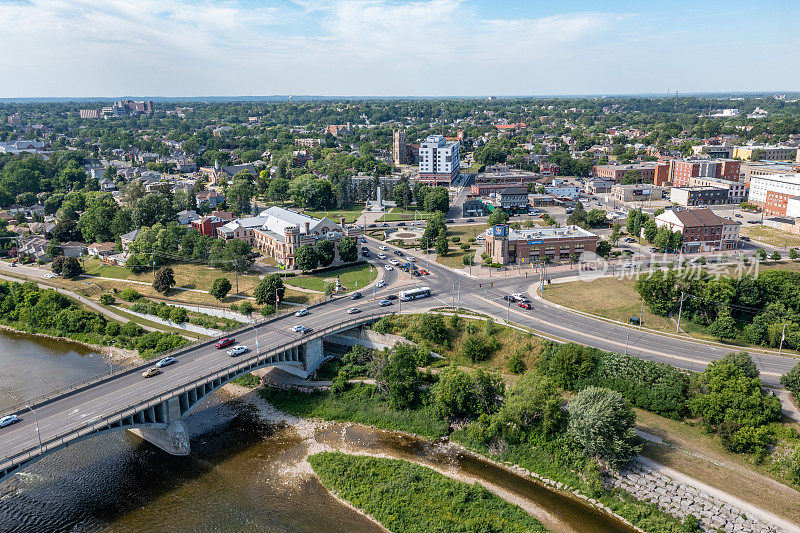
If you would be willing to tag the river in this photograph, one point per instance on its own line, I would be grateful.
(247, 470)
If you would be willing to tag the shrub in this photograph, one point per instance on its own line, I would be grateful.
(246, 308)
(515, 364)
(179, 315)
(107, 299)
(475, 349)
(130, 295)
(791, 380)
(568, 364)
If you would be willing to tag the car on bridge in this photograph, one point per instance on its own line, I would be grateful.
(8, 420)
(150, 372)
(237, 350)
(222, 343)
(384, 303)
(302, 312)
(353, 310)
(301, 329)
(165, 362)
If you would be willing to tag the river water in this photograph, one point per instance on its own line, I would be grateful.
(247, 470)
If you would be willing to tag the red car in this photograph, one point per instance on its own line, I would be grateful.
(525, 305)
(224, 342)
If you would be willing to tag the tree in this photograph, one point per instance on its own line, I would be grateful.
(650, 230)
(154, 207)
(762, 254)
(602, 422)
(396, 376)
(603, 248)
(568, 364)
(164, 280)
(442, 246)
(452, 394)
(793, 254)
(437, 199)
(631, 177)
(596, 217)
(402, 194)
(57, 264)
(498, 216)
(220, 288)
(65, 231)
(791, 380)
(724, 327)
(615, 233)
(348, 249)
(278, 189)
(268, 288)
(325, 252)
(305, 258)
(578, 216)
(53, 249)
(475, 348)
(776, 256)
(240, 193)
(431, 327)
(179, 315)
(71, 268)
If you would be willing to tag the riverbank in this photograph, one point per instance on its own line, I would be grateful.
(117, 355)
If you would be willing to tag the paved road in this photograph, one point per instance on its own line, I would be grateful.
(103, 399)
(82, 408)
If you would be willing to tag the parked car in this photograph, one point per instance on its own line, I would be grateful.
(150, 372)
(384, 303)
(353, 310)
(302, 312)
(8, 420)
(237, 350)
(222, 343)
(165, 362)
(355, 296)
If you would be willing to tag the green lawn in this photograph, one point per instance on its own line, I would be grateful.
(465, 232)
(352, 278)
(350, 215)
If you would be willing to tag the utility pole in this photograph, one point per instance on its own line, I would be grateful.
(627, 338)
(680, 311)
(641, 312)
(458, 297)
(783, 336)
(508, 311)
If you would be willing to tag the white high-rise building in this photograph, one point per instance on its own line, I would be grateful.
(439, 161)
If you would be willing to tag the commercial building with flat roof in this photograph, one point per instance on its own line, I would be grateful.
(776, 183)
(699, 195)
(636, 193)
(536, 245)
(737, 190)
(770, 153)
(616, 172)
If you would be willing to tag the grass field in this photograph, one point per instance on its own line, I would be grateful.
(688, 449)
(350, 215)
(407, 497)
(465, 232)
(593, 297)
(352, 278)
(771, 236)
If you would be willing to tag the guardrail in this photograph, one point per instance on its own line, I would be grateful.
(43, 399)
(71, 435)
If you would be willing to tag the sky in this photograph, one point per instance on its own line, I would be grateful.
(84, 48)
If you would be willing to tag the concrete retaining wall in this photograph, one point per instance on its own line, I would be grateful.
(183, 325)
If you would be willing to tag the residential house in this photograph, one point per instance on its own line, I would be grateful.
(187, 216)
(212, 197)
(101, 250)
(208, 225)
(73, 249)
(129, 238)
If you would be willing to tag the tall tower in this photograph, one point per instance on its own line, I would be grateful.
(399, 147)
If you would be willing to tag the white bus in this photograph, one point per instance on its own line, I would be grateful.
(413, 294)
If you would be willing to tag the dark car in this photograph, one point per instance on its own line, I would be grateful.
(224, 342)
(397, 252)
(401, 224)
(366, 253)
(450, 221)
(355, 296)
(384, 225)
(391, 297)
(372, 226)
(470, 220)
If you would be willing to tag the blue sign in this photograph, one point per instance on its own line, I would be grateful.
(501, 230)
(535, 242)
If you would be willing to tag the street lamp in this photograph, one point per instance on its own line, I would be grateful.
(38, 433)
(258, 351)
(110, 365)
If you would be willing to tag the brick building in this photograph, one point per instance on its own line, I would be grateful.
(682, 170)
(702, 229)
(616, 172)
(535, 245)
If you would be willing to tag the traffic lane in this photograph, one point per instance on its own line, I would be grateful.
(611, 337)
(130, 389)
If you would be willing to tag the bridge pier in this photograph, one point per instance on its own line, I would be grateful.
(173, 439)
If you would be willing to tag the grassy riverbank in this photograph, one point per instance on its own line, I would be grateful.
(361, 404)
(407, 497)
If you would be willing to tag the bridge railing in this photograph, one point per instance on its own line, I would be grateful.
(60, 440)
(42, 399)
